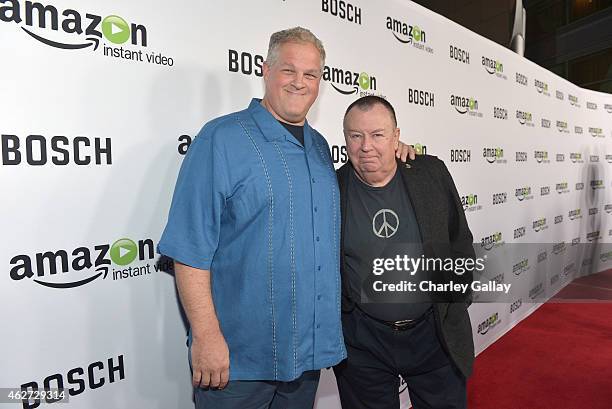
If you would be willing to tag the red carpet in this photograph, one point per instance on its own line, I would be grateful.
(559, 357)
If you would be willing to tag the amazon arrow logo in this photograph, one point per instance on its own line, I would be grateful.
(348, 82)
(40, 21)
(68, 269)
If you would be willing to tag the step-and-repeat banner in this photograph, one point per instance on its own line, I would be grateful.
(99, 101)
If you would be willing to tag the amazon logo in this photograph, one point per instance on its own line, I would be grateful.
(63, 269)
(40, 22)
(348, 82)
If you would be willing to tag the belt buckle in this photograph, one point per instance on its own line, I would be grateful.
(402, 325)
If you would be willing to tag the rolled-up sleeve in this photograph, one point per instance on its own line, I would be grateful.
(191, 235)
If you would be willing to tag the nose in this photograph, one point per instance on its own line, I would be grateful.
(298, 81)
(366, 143)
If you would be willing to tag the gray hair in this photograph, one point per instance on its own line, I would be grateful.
(295, 35)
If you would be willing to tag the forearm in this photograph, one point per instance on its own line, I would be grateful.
(195, 293)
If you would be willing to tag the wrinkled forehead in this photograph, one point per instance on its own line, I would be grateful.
(299, 52)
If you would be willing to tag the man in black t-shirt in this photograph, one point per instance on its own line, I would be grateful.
(397, 217)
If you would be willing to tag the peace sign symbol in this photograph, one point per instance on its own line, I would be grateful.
(385, 223)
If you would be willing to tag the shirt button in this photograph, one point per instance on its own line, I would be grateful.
(319, 297)
(319, 268)
(316, 209)
(313, 180)
(317, 238)
(318, 325)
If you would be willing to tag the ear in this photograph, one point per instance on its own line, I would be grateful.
(266, 70)
(397, 137)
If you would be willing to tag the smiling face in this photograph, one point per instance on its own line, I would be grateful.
(292, 82)
(371, 140)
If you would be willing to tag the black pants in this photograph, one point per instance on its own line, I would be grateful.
(377, 355)
(297, 394)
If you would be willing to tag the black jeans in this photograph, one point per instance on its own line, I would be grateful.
(377, 355)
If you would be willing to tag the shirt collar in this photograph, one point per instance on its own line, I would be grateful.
(269, 126)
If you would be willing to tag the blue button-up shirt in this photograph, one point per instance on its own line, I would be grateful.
(262, 213)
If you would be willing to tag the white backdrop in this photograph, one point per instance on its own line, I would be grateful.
(114, 132)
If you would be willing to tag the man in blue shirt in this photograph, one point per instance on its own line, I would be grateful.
(254, 230)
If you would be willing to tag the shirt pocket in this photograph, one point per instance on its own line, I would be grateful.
(250, 199)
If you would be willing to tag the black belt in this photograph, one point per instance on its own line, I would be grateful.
(401, 325)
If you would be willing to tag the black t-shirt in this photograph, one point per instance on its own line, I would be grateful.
(381, 224)
(296, 130)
